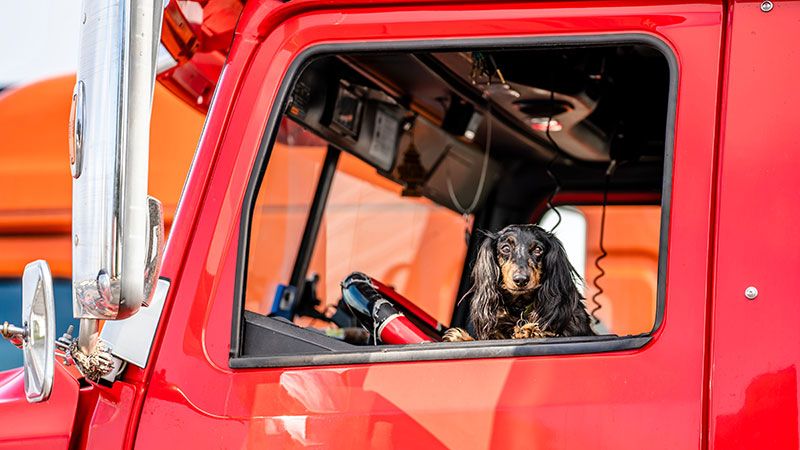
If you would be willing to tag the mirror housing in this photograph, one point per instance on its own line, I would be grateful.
(117, 232)
(37, 336)
(38, 315)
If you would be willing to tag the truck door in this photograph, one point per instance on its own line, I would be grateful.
(754, 374)
(224, 375)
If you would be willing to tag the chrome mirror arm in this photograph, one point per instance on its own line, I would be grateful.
(116, 239)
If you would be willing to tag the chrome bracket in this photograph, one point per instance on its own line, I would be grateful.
(14, 334)
(90, 354)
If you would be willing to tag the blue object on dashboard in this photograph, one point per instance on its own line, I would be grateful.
(285, 302)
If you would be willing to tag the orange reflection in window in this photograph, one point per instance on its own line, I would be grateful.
(279, 215)
(411, 244)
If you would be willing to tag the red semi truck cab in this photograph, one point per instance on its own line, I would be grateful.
(384, 139)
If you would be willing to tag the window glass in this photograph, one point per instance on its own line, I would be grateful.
(571, 231)
(630, 283)
(393, 150)
(408, 243)
(280, 213)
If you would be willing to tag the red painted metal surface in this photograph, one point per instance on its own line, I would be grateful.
(40, 425)
(400, 330)
(755, 355)
(406, 304)
(112, 422)
(622, 400)
(75, 416)
(654, 397)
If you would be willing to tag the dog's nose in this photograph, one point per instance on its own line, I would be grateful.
(520, 279)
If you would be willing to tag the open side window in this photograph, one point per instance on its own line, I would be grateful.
(396, 163)
(616, 256)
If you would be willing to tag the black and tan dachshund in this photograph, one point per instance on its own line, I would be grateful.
(523, 286)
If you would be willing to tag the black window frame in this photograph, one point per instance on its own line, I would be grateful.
(448, 350)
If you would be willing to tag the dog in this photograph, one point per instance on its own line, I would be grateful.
(523, 286)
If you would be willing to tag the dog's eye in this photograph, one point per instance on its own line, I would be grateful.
(505, 248)
(537, 251)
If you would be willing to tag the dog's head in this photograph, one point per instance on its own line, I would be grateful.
(519, 251)
(518, 265)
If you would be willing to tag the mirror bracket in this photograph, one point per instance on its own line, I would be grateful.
(14, 334)
(90, 354)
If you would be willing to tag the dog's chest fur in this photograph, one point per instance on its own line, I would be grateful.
(521, 320)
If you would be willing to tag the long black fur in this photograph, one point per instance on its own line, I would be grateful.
(557, 305)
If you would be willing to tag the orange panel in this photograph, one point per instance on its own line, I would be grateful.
(36, 200)
(630, 283)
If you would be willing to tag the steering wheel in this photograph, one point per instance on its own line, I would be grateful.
(375, 312)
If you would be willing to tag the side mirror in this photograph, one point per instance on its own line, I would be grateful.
(37, 336)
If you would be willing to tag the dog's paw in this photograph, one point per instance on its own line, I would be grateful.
(530, 330)
(456, 335)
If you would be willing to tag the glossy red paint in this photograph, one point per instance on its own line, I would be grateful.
(755, 356)
(400, 330)
(732, 225)
(113, 417)
(41, 425)
(624, 400)
(395, 297)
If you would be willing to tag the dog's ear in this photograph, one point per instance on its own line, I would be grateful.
(486, 297)
(558, 294)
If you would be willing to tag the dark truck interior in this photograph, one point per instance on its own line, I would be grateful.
(494, 134)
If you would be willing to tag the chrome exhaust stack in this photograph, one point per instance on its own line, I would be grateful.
(117, 230)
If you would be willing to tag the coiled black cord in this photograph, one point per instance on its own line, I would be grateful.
(603, 253)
